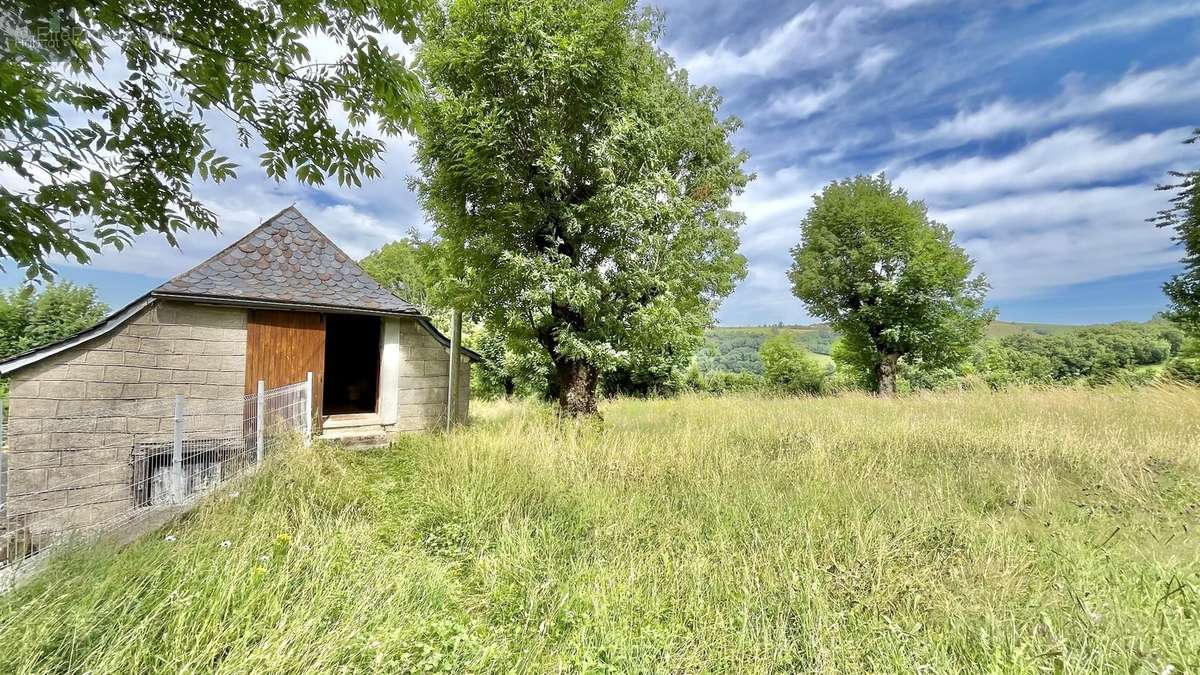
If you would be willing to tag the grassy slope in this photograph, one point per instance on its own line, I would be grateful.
(1015, 531)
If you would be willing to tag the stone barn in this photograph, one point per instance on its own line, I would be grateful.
(278, 304)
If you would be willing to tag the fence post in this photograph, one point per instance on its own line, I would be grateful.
(308, 409)
(177, 475)
(258, 418)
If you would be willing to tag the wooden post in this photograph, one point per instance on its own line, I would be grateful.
(258, 424)
(455, 346)
(308, 409)
(177, 475)
(3, 466)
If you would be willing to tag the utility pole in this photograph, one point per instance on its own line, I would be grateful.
(452, 393)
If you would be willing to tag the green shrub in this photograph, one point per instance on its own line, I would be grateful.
(787, 368)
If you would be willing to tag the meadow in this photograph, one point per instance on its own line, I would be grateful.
(1025, 530)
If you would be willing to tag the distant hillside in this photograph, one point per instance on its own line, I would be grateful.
(735, 348)
(1006, 328)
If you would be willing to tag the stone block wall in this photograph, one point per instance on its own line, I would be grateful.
(422, 380)
(75, 416)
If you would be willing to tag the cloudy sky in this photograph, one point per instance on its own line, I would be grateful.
(1036, 130)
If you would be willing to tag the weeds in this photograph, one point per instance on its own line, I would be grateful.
(1024, 531)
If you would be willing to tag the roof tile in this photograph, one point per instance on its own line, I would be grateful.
(287, 259)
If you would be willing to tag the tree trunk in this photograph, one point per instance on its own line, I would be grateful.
(576, 388)
(885, 374)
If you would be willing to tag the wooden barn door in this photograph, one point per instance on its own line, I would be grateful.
(282, 347)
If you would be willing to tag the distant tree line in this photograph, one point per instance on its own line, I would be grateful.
(1095, 354)
(1122, 352)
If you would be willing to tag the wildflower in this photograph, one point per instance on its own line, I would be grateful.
(264, 558)
(233, 495)
(169, 537)
(226, 544)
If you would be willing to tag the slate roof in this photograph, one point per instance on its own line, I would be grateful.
(287, 260)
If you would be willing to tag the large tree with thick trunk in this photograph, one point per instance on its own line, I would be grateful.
(888, 278)
(579, 185)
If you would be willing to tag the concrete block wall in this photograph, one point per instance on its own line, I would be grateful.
(422, 379)
(75, 416)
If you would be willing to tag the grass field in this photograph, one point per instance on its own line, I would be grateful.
(1024, 531)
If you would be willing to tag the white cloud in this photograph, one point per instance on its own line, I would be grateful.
(803, 102)
(1073, 157)
(1164, 86)
(1040, 252)
(811, 37)
(1036, 241)
(1040, 210)
(874, 60)
(1138, 18)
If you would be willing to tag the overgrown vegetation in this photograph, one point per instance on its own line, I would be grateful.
(1054, 533)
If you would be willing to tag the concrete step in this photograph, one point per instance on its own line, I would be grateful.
(359, 429)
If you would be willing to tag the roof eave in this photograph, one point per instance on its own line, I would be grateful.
(316, 307)
(254, 303)
(114, 321)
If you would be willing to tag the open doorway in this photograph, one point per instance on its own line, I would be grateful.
(352, 348)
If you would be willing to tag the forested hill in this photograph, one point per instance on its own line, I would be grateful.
(735, 348)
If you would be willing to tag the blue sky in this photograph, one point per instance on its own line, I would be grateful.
(1036, 130)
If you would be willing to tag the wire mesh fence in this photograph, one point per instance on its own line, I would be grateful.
(135, 461)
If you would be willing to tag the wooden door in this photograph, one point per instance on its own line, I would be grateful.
(282, 348)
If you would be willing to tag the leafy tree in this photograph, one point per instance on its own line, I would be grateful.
(29, 319)
(118, 148)
(1183, 216)
(1000, 363)
(787, 368)
(888, 278)
(408, 268)
(581, 185)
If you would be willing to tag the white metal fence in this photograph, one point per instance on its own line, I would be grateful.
(157, 457)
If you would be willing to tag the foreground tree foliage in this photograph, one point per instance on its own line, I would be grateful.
(889, 279)
(102, 155)
(580, 184)
(1183, 216)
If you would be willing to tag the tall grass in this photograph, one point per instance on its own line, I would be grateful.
(1026, 531)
